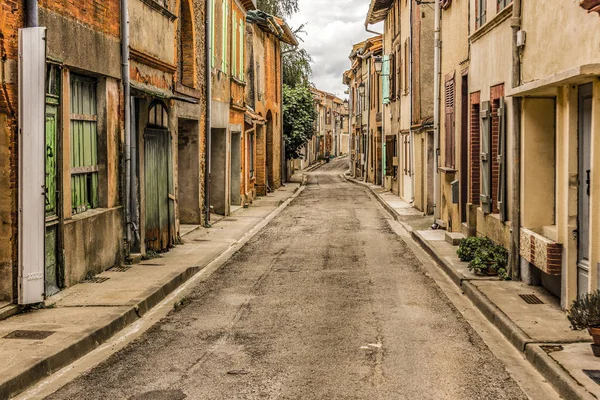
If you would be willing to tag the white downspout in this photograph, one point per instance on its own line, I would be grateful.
(437, 57)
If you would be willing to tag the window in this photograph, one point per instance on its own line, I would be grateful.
(242, 42)
(251, 154)
(449, 123)
(406, 64)
(503, 3)
(84, 144)
(480, 12)
(158, 115)
(224, 41)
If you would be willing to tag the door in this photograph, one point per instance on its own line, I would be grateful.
(464, 148)
(159, 198)
(406, 168)
(51, 181)
(585, 134)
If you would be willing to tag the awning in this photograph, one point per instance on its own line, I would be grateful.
(151, 90)
(250, 117)
(547, 87)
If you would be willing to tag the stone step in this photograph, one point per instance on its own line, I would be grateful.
(454, 238)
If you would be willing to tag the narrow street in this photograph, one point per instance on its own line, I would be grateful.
(326, 302)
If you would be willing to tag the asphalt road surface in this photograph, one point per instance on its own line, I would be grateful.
(326, 302)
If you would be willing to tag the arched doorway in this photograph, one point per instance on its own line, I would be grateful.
(269, 151)
(158, 180)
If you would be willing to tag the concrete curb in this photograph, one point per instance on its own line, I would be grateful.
(562, 381)
(153, 296)
(313, 167)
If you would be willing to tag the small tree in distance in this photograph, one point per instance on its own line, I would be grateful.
(299, 116)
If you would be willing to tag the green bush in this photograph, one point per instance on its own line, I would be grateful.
(585, 312)
(468, 247)
(489, 258)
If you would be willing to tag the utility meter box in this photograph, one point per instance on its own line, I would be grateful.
(455, 192)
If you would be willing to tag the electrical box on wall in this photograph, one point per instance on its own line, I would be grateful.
(455, 192)
(521, 38)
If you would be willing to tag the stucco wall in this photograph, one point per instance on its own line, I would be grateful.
(151, 32)
(93, 243)
(560, 36)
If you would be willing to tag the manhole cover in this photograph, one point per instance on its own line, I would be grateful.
(531, 299)
(96, 279)
(121, 268)
(594, 375)
(29, 335)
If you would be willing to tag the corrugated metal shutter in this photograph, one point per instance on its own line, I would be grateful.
(385, 75)
(502, 159)
(486, 170)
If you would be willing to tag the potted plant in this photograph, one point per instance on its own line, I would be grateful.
(585, 314)
(468, 247)
(489, 259)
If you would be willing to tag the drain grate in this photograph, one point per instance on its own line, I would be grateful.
(96, 279)
(121, 268)
(531, 299)
(29, 335)
(230, 219)
(152, 265)
(594, 375)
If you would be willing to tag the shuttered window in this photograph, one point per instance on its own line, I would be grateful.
(486, 155)
(224, 39)
(234, 46)
(242, 41)
(84, 144)
(406, 64)
(212, 35)
(385, 74)
(449, 123)
(251, 154)
(480, 12)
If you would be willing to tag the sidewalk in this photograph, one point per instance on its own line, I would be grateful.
(541, 331)
(35, 344)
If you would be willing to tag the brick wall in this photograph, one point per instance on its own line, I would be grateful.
(475, 150)
(11, 19)
(496, 92)
(96, 14)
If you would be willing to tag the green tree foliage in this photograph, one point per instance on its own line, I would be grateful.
(281, 8)
(296, 67)
(299, 116)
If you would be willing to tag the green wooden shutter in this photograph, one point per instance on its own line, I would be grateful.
(224, 38)
(486, 170)
(234, 46)
(242, 45)
(212, 34)
(385, 75)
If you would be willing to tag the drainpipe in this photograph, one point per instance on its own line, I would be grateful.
(32, 13)
(368, 103)
(437, 78)
(411, 91)
(514, 267)
(283, 158)
(129, 212)
(208, 92)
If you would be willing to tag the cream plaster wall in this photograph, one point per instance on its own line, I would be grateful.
(151, 32)
(569, 38)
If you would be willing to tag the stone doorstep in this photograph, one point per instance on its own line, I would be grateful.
(563, 371)
(75, 333)
(454, 238)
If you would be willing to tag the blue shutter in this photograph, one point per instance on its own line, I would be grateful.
(385, 75)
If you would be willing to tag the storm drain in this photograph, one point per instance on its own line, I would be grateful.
(230, 219)
(96, 279)
(121, 268)
(152, 265)
(594, 375)
(531, 299)
(29, 335)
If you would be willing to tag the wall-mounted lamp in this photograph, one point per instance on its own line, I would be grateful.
(378, 62)
(361, 89)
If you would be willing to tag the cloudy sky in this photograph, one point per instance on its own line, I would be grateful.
(332, 27)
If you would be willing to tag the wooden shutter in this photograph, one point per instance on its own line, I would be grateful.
(385, 75)
(502, 159)
(449, 122)
(392, 77)
(486, 170)
(399, 72)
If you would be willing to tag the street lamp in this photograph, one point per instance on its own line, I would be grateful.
(378, 62)
(361, 89)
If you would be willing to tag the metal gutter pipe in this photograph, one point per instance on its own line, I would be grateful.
(437, 78)
(208, 91)
(32, 13)
(411, 90)
(129, 212)
(514, 267)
